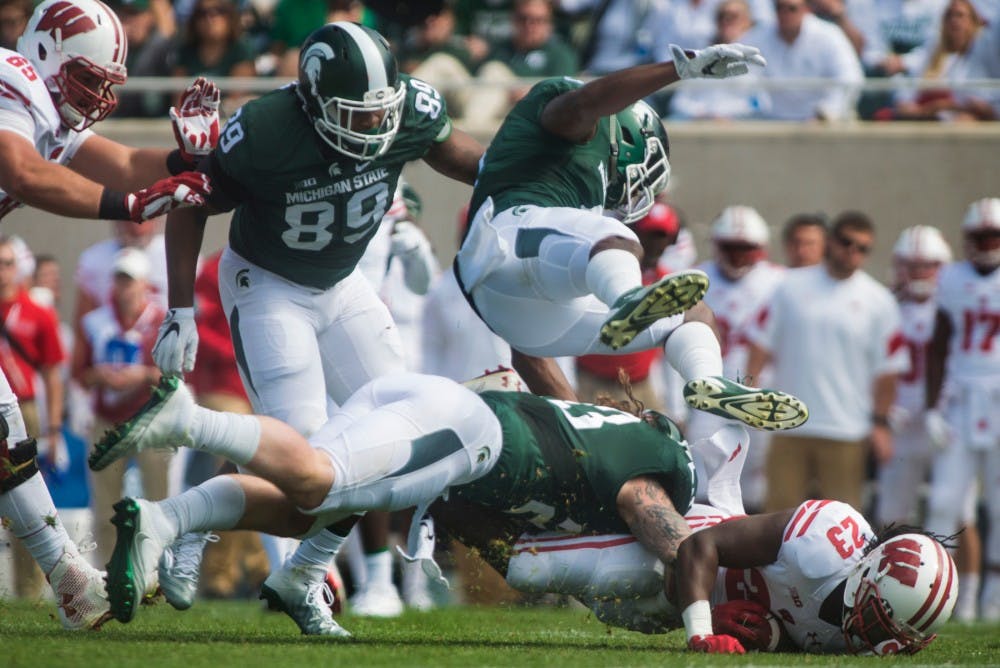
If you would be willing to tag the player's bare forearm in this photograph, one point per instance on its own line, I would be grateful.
(653, 519)
(739, 543)
(756, 361)
(543, 376)
(937, 355)
(120, 167)
(574, 115)
(883, 394)
(184, 233)
(457, 157)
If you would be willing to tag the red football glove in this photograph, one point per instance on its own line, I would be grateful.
(747, 621)
(185, 189)
(716, 644)
(196, 122)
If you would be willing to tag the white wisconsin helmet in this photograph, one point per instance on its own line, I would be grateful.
(899, 595)
(981, 227)
(78, 47)
(919, 245)
(741, 237)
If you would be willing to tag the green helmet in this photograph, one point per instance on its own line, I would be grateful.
(346, 69)
(640, 153)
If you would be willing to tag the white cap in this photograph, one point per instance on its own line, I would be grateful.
(132, 262)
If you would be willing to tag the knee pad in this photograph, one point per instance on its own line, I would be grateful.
(562, 267)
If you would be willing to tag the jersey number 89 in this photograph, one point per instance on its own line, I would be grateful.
(309, 223)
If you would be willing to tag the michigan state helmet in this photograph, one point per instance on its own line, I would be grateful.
(349, 85)
(78, 49)
(640, 165)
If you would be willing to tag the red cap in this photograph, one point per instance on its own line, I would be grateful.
(661, 218)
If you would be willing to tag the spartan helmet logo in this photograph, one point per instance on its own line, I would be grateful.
(243, 278)
(312, 62)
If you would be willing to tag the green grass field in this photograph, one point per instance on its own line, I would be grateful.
(226, 634)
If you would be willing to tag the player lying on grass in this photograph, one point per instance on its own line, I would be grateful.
(814, 578)
(400, 441)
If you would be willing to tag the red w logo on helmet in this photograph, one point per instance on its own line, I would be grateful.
(67, 18)
(902, 559)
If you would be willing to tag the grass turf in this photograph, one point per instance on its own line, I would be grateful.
(242, 634)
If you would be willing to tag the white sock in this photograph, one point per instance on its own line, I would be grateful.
(379, 565)
(316, 553)
(216, 504)
(694, 351)
(613, 272)
(354, 552)
(235, 437)
(32, 517)
(968, 595)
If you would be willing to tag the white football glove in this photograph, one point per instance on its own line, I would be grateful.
(719, 61)
(413, 249)
(177, 342)
(196, 122)
(938, 430)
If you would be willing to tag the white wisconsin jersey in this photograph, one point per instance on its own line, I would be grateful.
(917, 326)
(93, 269)
(736, 304)
(972, 302)
(821, 544)
(26, 108)
(109, 344)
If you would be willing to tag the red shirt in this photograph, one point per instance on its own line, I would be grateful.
(636, 365)
(35, 328)
(215, 368)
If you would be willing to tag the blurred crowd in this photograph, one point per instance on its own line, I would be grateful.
(484, 53)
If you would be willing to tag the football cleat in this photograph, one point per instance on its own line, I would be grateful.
(291, 591)
(162, 422)
(770, 410)
(179, 568)
(377, 601)
(500, 379)
(79, 590)
(143, 534)
(636, 310)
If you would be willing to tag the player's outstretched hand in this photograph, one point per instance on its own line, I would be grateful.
(196, 121)
(719, 61)
(177, 342)
(938, 430)
(184, 189)
(716, 644)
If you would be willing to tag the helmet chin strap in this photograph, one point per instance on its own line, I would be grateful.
(613, 160)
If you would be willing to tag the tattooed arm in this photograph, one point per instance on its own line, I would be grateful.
(650, 514)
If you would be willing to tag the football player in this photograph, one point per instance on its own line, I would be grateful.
(742, 280)
(58, 83)
(963, 388)
(400, 441)
(309, 170)
(548, 261)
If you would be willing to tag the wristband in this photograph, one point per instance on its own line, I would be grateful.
(176, 163)
(880, 420)
(697, 619)
(113, 206)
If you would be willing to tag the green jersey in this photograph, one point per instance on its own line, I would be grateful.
(563, 464)
(303, 210)
(526, 164)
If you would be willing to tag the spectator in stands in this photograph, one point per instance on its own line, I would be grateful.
(896, 33)
(842, 326)
(29, 345)
(433, 52)
(949, 61)
(213, 45)
(720, 99)
(835, 12)
(804, 240)
(93, 276)
(294, 20)
(986, 52)
(598, 375)
(800, 45)
(150, 54)
(484, 22)
(693, 22)
(624, 33)
(113, 358)
(14, 16)
(534, 49)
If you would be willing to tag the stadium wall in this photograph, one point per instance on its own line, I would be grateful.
(901, 174)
